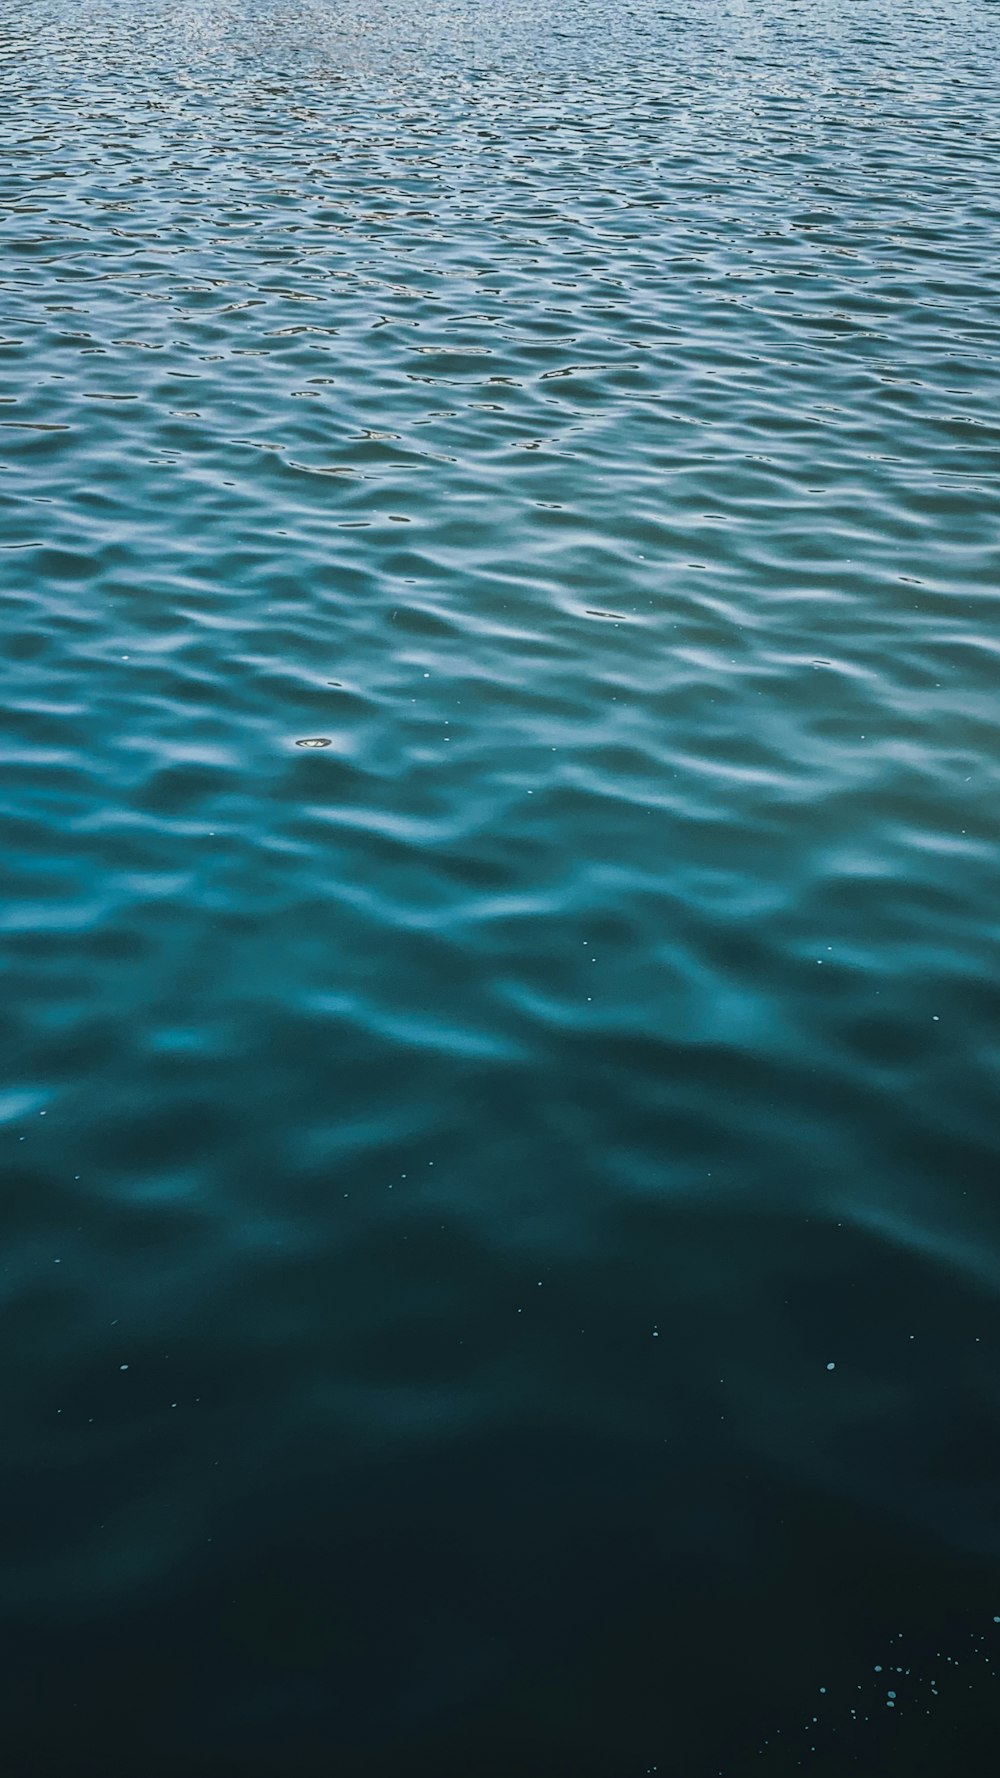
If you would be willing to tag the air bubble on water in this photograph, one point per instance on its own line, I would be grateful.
(831, 1367)
(123, 1367)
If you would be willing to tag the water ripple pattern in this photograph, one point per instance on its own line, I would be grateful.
(499, 968)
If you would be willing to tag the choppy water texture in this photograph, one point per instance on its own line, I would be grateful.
(500, 1268)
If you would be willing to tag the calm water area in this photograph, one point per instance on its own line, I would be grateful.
(500, 1212)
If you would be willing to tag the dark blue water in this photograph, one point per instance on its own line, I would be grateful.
(500, 1269)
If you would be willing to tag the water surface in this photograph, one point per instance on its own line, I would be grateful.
(500, 1221)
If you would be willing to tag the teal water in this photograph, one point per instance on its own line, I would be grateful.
(500, 1216)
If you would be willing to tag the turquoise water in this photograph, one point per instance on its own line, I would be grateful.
(500, 1227)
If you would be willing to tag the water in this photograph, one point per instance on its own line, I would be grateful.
(500, 1222)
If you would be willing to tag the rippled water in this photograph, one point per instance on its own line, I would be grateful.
(500, 1267)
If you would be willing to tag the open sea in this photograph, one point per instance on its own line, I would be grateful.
(500, 926)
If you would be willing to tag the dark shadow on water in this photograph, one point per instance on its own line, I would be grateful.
(522, 1606)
